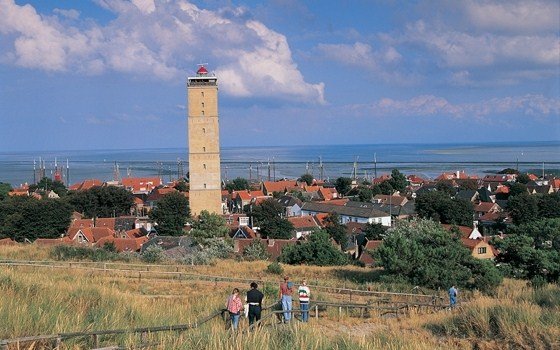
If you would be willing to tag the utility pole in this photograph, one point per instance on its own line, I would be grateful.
(321, 167)
(375, 165)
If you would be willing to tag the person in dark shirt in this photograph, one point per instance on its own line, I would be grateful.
(254, 299)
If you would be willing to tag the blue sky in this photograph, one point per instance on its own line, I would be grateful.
(111, 74)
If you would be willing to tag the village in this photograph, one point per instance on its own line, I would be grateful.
(306, 203)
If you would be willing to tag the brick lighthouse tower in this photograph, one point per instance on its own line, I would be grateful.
(204, 143)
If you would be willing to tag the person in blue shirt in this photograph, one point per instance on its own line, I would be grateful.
(452, 297)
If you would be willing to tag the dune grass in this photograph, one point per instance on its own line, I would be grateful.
(48, 301)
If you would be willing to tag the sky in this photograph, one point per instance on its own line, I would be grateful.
(111, 74)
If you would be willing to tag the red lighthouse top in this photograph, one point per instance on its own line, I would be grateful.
(201, 71)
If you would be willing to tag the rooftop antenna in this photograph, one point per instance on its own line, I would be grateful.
(67, 172)
(543, 170)
(355, 169)
(268, 169)
(34, 172)
(273, 170)
(307, 167)
(116, 172)
(321, 167)
(250, 172)
(226, 173)
(375, 165)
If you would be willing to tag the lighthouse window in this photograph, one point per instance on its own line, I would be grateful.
(202, 104)
(203, 149)
(204, 165)
(204, 130)
(204, 185)
(202, 93)
(202, 112)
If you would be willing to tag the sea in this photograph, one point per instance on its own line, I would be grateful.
(277, 162)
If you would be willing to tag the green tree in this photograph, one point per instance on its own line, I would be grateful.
(307, 178)
(516, 189)
(523, 208)
(209, 225)
(335, 229)
(237, 184)
(362, 193)
(343, 185)
(181, 186)
(5, 188)
(171, 214)
(317, 250)
(386, 188)
(523, 179)
(45, 185)
(268, 217)
(277, 228)
(100, 201)
(374, 231)
(398, 181)
(425, 254)
(28, 218)
(549, 205)
(438, 206)
(446, 187)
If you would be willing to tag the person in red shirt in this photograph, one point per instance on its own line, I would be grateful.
(234, 307)
(286, 290)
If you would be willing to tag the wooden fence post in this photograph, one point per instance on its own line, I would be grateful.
(96, 340)
(317, 311)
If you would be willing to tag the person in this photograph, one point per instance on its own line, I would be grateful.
(254, 299)
(286, 289)
(234, 307)
(304, 293)
(452, 297)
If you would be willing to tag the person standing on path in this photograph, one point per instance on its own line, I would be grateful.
(304, 293)
(286, 290)
(254, 299)
(452, 297)
(234, 307)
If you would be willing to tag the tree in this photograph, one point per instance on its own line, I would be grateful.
(374, 231)
(255, 251)
(277, 228)
(523, 179)
(209, 225)
(45, 185)
(446, 187)
(171, 214)
(425, 254)
(343, 185)
(5, 188)
(335, 229)
(523, 208)
(398, 181)
(516, 189)
(107, 201)
(28, 218)
(468, 184)
(549, 205)
(237, 184)
(440, 207)
(317, 250)
(386, 188)
(307, 178)
(181, 186)
(363, 193)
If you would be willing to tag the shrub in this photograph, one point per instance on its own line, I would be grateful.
(318, 250)
(275, 268)
(64, 252)
(152, 254)
(255, 251)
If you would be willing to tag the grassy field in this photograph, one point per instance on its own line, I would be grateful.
(47, 301)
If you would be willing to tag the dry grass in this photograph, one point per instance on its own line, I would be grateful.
(43, 301)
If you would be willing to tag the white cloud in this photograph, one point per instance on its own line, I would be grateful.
(161, 40)
(513, 16)
(429, 105)
(70, 14)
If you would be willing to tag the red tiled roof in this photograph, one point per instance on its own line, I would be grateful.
(123, 244)
(157, 193)
(326, 194)
(279, 186)
(339, 201)
(301, 222)
(135, 233)
(105, 222)
(80, 223)
(141, 184)
(464, 230)
(320, 218)
(85, 185)
(485, 207)
(366, 257)
(392, 200)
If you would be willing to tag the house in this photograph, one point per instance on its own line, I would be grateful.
(123, 244)
(365, 257)
(469, 195)
(415, 181)
(303, 225)
(350, 212)
(390, 199)
(292, 205)
(90, 235)
(141, 185)
(458, 175)
(86, 185)
(465, 231)
(479, 248)
(282, 186)
(327, 193)
(156, 194)
(498, 179)
(486, 207)
(273, 247)
(241, 199)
